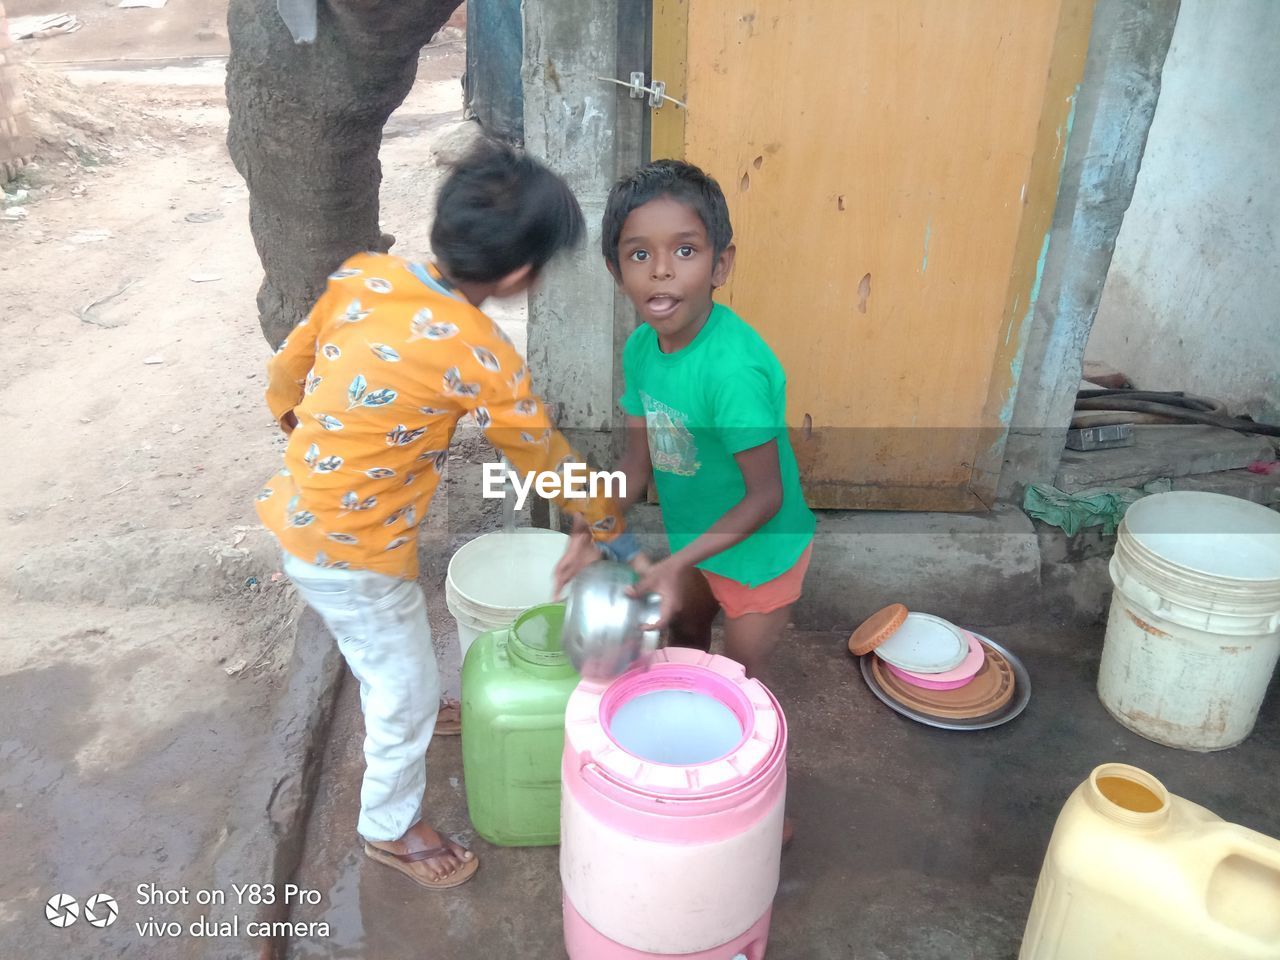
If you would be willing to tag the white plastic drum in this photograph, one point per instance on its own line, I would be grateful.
(1194, 631)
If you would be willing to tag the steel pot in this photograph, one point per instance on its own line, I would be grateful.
(604, 630)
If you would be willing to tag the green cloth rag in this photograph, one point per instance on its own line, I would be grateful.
(1100, 507)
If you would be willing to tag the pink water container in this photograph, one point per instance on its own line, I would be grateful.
(674, 783)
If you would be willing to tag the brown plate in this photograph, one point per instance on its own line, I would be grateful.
(877, 628)
(990, 690)
(1010, 711)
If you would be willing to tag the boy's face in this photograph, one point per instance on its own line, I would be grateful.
(669, 268)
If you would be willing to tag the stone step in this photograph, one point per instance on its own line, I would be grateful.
(1159, 451)
(1259, 488)
(973, 569)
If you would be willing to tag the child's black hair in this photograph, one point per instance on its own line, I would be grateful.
(666, 178)
(500, 209)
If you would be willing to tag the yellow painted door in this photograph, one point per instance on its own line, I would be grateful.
(891, 167)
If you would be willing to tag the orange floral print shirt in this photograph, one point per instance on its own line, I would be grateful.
(378, 376)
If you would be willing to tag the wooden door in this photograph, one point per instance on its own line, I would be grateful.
(891, 168)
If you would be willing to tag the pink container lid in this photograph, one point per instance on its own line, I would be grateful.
(952, 679)
(763, 745)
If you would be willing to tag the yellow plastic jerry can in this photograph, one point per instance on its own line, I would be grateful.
(1135, 873)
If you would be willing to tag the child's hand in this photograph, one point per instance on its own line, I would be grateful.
(579, 555)
(662, 578)
(288, 422)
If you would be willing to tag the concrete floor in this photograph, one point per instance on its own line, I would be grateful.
(911, 844)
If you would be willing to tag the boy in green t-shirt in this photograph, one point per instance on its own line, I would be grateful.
(705, 402)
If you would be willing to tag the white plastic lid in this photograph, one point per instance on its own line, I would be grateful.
(925, 644)
(1209, 533)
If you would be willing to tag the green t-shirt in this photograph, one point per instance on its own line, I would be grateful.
(722, 394)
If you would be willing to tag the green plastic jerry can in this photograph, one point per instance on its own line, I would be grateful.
(516, 682)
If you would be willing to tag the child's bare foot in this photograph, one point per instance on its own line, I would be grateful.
(425, 857)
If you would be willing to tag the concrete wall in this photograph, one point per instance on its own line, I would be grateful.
(1192, 300)
(1114, 107)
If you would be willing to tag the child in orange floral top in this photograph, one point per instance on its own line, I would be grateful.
(370, 388)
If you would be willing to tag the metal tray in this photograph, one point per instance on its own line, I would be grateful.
(1021, 696)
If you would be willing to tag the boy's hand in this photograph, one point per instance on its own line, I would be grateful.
(662, 578)
(579, 555)
(288, 422)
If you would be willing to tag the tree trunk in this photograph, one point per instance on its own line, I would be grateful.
(306, 124)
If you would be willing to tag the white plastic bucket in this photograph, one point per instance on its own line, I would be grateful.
(1194, 630)
(496, 577)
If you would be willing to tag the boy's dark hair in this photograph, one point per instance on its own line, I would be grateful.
(666, 178)
(500, 209)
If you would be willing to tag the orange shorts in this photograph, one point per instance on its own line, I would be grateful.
(783, 590)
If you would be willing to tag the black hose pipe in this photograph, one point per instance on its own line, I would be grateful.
(1114, 400)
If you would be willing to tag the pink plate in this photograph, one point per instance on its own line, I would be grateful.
(952, 679)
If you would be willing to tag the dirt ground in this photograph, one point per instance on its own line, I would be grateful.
(180, 30)
(145, 628)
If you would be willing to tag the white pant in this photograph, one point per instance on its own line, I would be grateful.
(381, 626)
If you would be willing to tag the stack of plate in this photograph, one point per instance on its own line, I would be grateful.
(937, 673)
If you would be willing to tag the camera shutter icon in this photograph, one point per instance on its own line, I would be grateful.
(62, 910)
(101, 910)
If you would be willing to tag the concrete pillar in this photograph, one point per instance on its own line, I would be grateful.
(1107, 136)
(587, 131)
(570, 122)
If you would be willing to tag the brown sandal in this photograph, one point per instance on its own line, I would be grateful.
(449, 719)
(397, 862)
